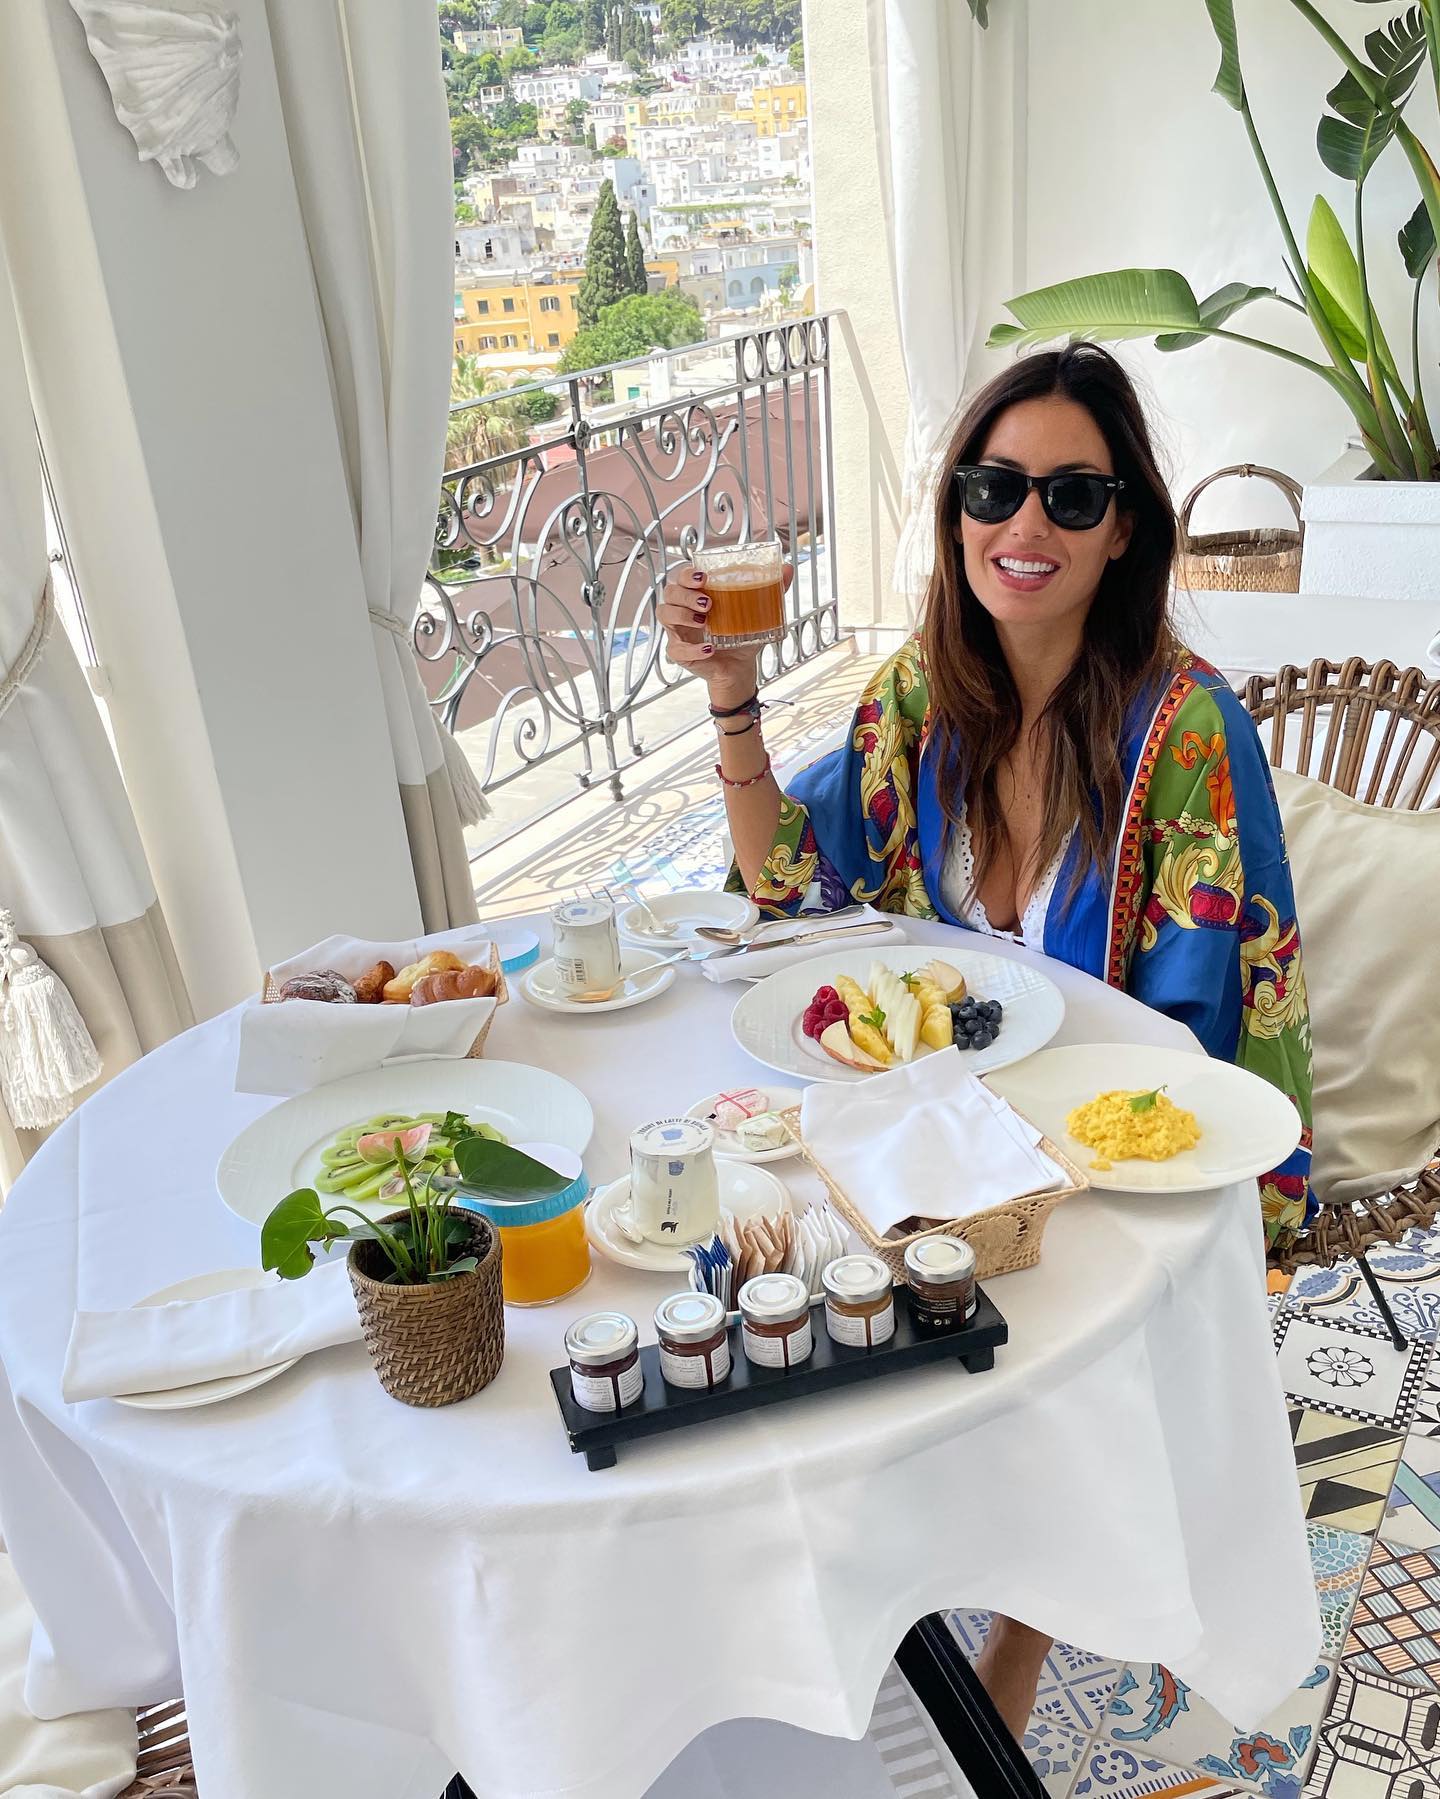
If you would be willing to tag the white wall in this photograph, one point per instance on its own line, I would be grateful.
(1133, 162)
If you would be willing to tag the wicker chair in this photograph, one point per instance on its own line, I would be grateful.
(1373, 731)
(162, 1761)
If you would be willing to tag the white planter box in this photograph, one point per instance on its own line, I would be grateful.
(1377, 540)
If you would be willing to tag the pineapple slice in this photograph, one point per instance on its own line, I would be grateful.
(868, 1033)
(857, 1000)
(936, 1028)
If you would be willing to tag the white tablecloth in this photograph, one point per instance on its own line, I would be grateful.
(358, 1598)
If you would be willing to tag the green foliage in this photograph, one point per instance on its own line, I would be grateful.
(576, 113)
(634, 60)
(787, 280)
(631, 326)
(561, 48)
(498, 428)
(613, 147)
(593, 25)
(606, 276)
(540, 406)
(681, 19)
(796, 56)
(635, 257)
(614, 49)
(980, 12)
(517, 60)
(463, 13)
(537, 16)
(470, 139)
(747, 22)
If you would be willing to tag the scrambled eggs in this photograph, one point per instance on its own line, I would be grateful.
(1123, 1124)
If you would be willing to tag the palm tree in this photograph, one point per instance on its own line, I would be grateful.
(480, 432)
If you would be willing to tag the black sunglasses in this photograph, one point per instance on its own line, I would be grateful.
(1074, 502)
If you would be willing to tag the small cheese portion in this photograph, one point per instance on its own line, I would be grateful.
(732, 1109)
(765, 1132)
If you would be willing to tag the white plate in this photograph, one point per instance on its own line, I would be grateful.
(1247, 1126)
(691, 907)
(727, 1144)
(230, 1386)
(766, 1019)
(539, 985)
(744, 1191)
(281, 1150)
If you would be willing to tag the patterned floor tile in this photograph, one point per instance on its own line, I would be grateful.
(1116, 1771)
(1380, 1740)
(1075, 1686)
(1347, 1372)
(1410, 1270)
(1156, 1715)
(1054, 1754)
(1413, 1514)
(1427, 1412)
(1338, 1558)
(1397, 1615)
(1346, 1466)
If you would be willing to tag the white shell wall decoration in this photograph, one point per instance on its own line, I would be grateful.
(174, 79)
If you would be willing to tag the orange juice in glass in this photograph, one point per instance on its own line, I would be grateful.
(746, 585)
(544, 1252)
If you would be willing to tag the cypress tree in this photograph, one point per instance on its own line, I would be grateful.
(607, 276)
(612, 33)
(635, 256)
(592, 27)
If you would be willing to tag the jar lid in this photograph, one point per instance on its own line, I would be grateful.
(510, 1214)
(518, 949)
(940, 1259)
(856, 1278)
(582, 912)
(600, 1337)
(774, 1298)
(672, 1137)
(689, 1317)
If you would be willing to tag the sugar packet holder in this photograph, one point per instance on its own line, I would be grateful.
(1005, 1238)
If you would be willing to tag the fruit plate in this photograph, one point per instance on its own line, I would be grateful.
(281, 1149)
(767, 1025)
(1247, 1126)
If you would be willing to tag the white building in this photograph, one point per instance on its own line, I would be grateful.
(546, 87)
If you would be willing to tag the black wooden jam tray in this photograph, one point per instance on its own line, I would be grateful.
(662, 1408)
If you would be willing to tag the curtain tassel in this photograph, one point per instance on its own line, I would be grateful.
(47, 1054)
(470, 800)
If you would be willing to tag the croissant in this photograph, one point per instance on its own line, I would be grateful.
(465, 983)
(371, 984)
(437, 962)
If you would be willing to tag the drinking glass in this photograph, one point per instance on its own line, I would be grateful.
(746, 585)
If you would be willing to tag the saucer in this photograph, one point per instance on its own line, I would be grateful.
(745, 1192)
(540, 985)
(727, 1144)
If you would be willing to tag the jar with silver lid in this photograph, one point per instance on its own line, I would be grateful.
(859, 1302)
(604, 1353)
(940, 1273)
(775, 1321)
(694, 1340)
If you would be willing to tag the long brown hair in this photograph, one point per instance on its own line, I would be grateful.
(1129, 645)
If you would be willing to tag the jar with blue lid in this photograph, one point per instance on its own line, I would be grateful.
(544, 1253)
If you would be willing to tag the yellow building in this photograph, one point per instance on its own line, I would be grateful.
(511, 315)
(774, 109)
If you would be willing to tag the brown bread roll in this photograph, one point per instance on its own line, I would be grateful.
(465, 983)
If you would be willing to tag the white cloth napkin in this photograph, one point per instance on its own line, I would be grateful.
(296, 1044)
(753, 963)
(925, 1139)
(149, 1349)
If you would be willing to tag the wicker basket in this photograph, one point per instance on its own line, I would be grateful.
(435, 1344)
(270, 995)
(1005, 1239)
(1264, 560)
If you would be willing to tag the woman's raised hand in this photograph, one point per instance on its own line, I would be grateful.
(731, 675)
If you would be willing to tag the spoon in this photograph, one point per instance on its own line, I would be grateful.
(654, 924)
(722, 934)
(601, 993)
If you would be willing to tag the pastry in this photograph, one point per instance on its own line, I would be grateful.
(464, 983)
(438, 961)
(323, 984)
(371, 985)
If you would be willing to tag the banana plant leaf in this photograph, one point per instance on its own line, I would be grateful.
(1221, 305)
(1365, 123)
(1417, 242)
(1335, 274)
(1229, 83)
(1120, 304)
(980, 12)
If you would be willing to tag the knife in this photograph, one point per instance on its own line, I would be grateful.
(854, 930)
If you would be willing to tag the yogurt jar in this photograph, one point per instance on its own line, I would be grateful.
(586, 945)
(674, 1189)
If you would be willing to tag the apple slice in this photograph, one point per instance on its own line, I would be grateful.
(836, 1041)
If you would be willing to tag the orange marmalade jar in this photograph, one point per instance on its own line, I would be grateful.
(544, 1254)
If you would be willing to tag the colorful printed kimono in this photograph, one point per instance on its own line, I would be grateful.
(1194, 914)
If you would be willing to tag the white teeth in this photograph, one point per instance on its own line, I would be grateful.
(1012, 566)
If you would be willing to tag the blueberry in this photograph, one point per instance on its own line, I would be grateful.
(968, 1008)
(981, 1040)
(991, 1011)
(997, 1011)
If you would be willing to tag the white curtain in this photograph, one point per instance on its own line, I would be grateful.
(71, 867)
(369, 142)
(951, 152)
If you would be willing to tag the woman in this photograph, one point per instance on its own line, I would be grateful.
(1044, 761)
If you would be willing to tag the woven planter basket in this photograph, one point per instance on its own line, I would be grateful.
(1005, 1238)
(1264, 560)
(435, 1344)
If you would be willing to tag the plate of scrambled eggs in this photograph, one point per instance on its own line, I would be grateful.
(1142, 1120)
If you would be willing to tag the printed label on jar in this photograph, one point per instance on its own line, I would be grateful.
(570, 972)
(852, 1330)
(596, 1392)
(691, 1370)
(769, 1352)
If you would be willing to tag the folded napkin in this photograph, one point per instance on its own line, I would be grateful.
(296, 1044)
(149, 1349)
(925, 1139)
(753, 963)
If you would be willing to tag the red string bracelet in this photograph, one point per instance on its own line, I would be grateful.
(749, 781)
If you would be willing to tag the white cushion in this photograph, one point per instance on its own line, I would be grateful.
(1366, 880)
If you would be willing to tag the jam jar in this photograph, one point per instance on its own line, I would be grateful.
(775, 1321)
(859, 1302)
(940, 1272)
(604, 1352)
(694, 1340)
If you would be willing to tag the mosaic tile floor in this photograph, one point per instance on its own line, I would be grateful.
(1365, 1420)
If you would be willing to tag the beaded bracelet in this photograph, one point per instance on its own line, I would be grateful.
(751, 705)
(749, 781)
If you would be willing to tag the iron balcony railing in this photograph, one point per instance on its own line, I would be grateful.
(538, 623)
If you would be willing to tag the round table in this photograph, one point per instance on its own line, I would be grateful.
(355, 1596)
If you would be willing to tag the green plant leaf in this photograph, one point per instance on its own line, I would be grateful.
(503, 1172)
(980, 12)
(1145, 1102)
(458, 1228)
(286, 1235)
(1366, 122)
(1214, 311)
(463, 1266)
(1335, 275)
(1121, 304)
(875, 1018)
(1229, 82)
(1417, 242)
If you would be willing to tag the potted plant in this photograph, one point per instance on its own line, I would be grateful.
(1392, 478)
(427, 1276)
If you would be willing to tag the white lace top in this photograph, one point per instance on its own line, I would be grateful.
(957, 877)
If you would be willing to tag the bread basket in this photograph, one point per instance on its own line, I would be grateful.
(270, 995)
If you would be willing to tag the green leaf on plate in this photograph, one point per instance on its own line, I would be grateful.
(1145, 1102)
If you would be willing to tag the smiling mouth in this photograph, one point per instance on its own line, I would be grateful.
(1024, 574)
